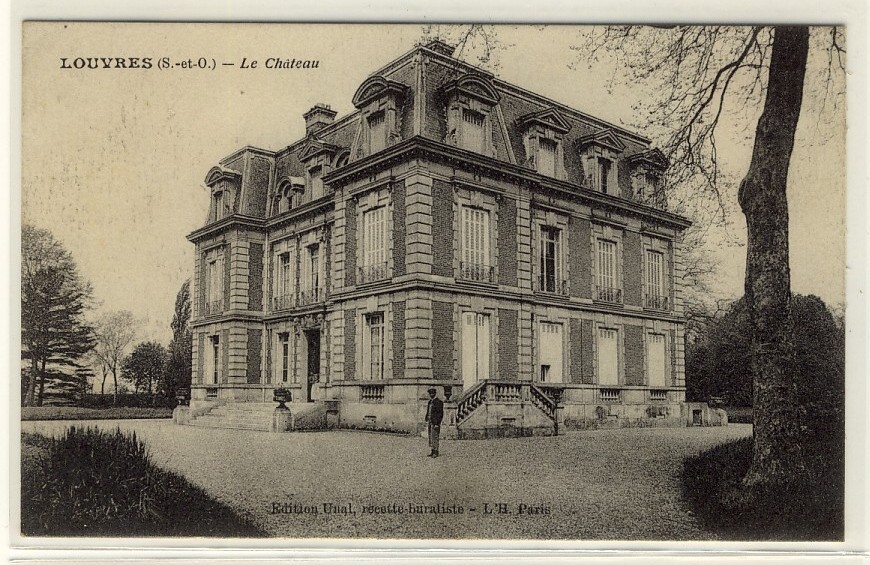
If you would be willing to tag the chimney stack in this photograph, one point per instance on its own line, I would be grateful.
(318, 117)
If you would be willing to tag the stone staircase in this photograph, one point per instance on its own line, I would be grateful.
(238, 416)
(258, 416)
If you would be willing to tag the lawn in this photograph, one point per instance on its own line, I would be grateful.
(79, 413)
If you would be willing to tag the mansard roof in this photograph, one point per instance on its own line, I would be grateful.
(549, 117)
(375, 87)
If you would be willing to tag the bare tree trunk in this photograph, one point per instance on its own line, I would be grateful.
(103, 384)
(41, 384)
(115, 380)
(30, 397)
(777, 449)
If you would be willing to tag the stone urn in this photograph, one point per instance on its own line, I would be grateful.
(448, 392)
(282, 420)
(182, 395)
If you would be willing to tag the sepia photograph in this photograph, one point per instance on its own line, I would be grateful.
(432, 282)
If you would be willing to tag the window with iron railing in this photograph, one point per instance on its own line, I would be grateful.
(374, 247)
(284, 287)
(607, 288)
(214, 282)
(550, 261)
(473, 130)
(377, 132)
(655, 296)
(547, 157)
(311, 291)
(475, 264)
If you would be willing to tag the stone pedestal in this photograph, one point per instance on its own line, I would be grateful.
(181, 415)
(282, 420)
(332, 414)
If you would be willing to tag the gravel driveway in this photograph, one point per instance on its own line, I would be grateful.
(607, 484)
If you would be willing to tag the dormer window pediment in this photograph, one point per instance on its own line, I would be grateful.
(314, 147)
(647, 170)
(605, 138)
(472, 85)
(543, 133)
(378, 87)
(219, 173)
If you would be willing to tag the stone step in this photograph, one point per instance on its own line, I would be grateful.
(249, 415)
(229, 425)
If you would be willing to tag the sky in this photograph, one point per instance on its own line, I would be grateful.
(113, 160)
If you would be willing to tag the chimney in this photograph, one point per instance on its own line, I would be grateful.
(318, 117)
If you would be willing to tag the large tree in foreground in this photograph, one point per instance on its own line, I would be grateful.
(695, 70)
(54, 297)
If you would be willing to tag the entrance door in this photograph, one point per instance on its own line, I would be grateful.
(608, 361)
(550, 343)
(475, 348)
(313, 370)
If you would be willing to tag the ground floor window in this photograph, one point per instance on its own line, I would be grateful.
(284, 340)
(656, 359)
(373, 346)
(608, 356)
(475, 347)
(211, 356)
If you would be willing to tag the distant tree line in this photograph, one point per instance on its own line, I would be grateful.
(62, 353)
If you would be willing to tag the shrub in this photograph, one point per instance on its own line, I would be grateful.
(92, 482)
(807, 508)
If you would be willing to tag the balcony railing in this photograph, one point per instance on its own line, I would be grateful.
(609, 394)
(214, 308)
(310, 296)
(552, 286)
(658, 395)
(656, 302)
(372, 393)
(476, 272)
(283, 302)
(608, 294)
(372, 273)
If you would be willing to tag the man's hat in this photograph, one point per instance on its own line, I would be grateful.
(433, 390)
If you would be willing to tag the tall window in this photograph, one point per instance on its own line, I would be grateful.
(607, 275)
(214, 281)
(547, 157)
(215, 355)
(377, 132)
(374, 346)
(475, 348)
(656, 359)
(316, 176)
(603, 174)
(550, 275)
(374, 256)
(311, 275)
(219, 200)
(285, 356)
(608, 357)
(475, 245)
(284, 283)
(473, 130)
(656, 297)
(550, 352)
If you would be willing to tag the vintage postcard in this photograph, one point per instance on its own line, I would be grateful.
(471, 282)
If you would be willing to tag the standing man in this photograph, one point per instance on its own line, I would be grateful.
(434, 415)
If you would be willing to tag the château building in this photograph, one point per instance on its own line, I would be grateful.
(455, 231)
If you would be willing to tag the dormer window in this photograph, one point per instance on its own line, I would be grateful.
(647, 169)
(547, 157)
(223, 184)
(470, 101)
(315, 181)
(543, 134)
(377, 132)
(472, 135)
(603, 173)
(379, 101)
